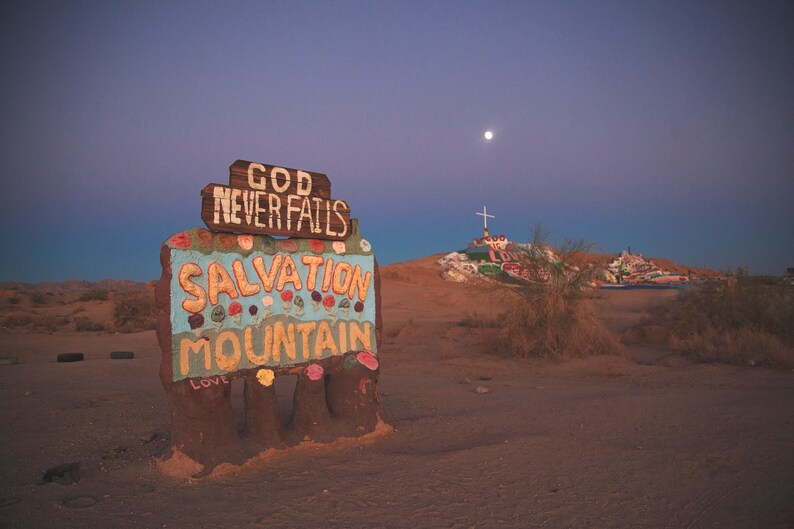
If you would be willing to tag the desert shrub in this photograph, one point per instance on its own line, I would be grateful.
(552, 317)
(745, 319)
(37, 298)
(84, 324)
(48, 322)
(476, 320)
(17, 319)
(14, 300)
(134, 312)
(94, 295)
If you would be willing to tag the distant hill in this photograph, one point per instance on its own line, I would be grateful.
(74, 285)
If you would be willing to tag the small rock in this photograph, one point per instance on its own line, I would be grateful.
(79, 502)
(481, 389)
(113, 452)
(65, 474)
(752, 363)
(485, 377)
(465, 380)
(149, 437)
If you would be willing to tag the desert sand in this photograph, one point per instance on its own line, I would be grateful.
(479, 440)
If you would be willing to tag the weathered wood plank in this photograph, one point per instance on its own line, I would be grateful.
(238, 210)
(277, 179)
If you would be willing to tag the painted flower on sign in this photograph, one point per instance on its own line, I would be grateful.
(286, 298)
(317, 246)
(344, 306)
(265, 377)
(329, 302)
(267, 302)
(180, 240)
(236, 312)
(315, 372)
(246, 242)
(368, 360)
(317, 298)
(359, 308)
(366, 247)
(218, 315)
(288, 245)
(253, 310)
(204, 237)
(299, 304)
(339, 247)
(196, 322)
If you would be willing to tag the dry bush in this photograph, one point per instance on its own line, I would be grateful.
(476, 320)
(14, 300)
(553, 318)
(84, 324)
(17, 319)
(744, 320)
(94, 295)
(49, 322)
(742, 347)
(551, 326)
(134, 311)
(37, 298)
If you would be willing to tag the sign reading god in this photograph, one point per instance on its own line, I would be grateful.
(267, 199)
(242, 301)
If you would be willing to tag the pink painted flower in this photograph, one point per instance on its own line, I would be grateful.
(315, 372)
(180, 240)
(368, 360)
(288, 245)
(246, 242)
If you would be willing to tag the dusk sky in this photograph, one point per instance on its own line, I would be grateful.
(667, 126)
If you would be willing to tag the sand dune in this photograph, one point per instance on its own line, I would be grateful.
(648, 440)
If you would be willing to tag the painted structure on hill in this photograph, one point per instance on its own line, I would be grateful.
(251, 307)
(497, 257)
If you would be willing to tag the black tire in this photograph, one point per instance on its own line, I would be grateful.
(9, 360)
(70, 357)
(122, 355)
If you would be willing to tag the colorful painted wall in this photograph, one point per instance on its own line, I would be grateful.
(257, 302)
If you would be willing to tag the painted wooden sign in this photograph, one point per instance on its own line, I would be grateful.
(269, 303)
(268, 199)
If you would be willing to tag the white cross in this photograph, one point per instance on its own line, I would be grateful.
(485, 216)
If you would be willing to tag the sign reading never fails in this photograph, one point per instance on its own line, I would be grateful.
(275, 200)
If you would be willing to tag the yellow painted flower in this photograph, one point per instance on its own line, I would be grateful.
(265, 377)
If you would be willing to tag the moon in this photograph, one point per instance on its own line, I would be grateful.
(488, 135)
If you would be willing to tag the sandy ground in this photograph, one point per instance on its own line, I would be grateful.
(648, 440)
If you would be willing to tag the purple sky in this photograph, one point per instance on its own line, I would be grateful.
(667, 126)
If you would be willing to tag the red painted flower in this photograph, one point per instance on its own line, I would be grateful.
(235, 308)
(367, 359)
(317, 246)
(329, 301)
(315, 372)
(180, 240)
(286, 296)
